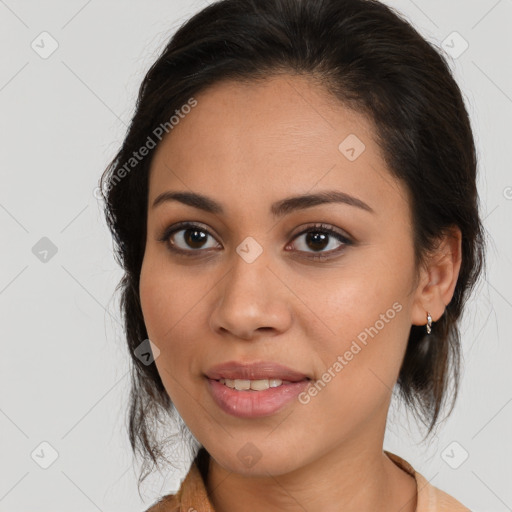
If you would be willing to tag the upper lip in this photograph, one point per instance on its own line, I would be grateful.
(254, 371)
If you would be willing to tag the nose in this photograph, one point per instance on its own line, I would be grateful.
(251, 302)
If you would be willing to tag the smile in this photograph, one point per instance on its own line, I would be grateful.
(254, 398)
(255, 385)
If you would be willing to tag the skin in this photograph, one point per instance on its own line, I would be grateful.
(246, 146)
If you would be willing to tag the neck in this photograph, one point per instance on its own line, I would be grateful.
(345, 479)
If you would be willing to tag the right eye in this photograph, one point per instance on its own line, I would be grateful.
(186, 238)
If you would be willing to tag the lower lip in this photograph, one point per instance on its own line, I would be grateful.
(255, 404)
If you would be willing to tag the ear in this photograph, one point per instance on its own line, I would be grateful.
(438, 278)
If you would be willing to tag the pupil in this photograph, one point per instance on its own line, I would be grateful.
(317, 238)
(194, 238)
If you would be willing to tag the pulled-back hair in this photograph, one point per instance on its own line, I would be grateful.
(373, 61)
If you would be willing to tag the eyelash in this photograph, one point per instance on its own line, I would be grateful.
(315, 228)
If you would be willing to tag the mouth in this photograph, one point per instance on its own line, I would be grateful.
(251, 390)
(254, 385)
(257, 371)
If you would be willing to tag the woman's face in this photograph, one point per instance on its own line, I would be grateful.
(323, 288)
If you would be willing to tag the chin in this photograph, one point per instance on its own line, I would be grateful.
(259, 458)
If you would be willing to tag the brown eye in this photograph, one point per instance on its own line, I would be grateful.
(320, 241)
(188, 238)
(194, 238)
(318, 238)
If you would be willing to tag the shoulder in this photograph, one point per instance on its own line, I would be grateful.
(169, 503)
(434, 499)
(191, 495)
(430, 498)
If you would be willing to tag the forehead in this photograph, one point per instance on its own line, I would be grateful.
(269, 139)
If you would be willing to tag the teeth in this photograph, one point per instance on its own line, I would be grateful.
(242, 385)
(260, 385)
(256, 385)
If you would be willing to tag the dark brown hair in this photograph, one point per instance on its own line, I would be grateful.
(370, 59)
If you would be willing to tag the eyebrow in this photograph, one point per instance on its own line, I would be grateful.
(278, 209)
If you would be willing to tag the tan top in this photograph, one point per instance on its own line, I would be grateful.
(192, 494)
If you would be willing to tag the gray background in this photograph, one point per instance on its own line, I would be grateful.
(64, 368)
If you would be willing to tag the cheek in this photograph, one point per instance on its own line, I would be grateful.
(153, 304)
(368, 316)
(166, 298)
(360, 365)
(171, 308)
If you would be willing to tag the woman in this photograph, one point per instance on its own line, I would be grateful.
(296, 213)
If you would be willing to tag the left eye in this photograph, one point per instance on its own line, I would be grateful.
(320, 239)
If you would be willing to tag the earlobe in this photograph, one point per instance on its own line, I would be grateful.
(438, 279)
